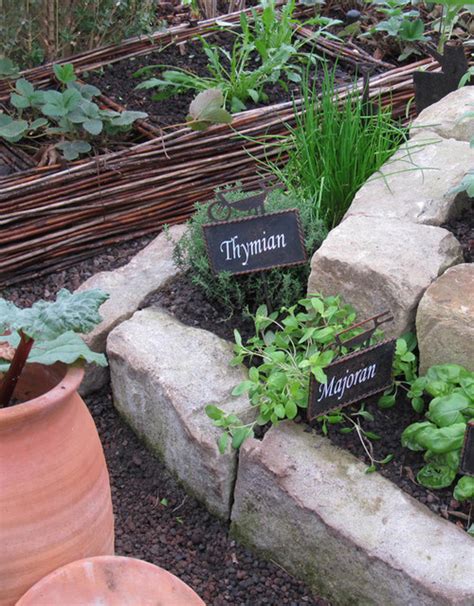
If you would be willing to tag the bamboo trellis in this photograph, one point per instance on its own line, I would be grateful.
(52, 217)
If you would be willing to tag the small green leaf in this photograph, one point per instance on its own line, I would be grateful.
(242, 388)
(222, 443)
(213, 412)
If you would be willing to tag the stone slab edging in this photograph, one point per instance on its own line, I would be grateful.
(382, 255)
(128, 287)
(354, 538)
(163, 375)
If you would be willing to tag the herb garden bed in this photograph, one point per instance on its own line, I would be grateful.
(53, 230)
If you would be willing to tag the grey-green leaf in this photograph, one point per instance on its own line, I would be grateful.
(67, 348)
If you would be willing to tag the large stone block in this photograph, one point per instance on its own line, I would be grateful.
(128, 287)
(445, 118)
(354, 538)
(416, 183)
(378, 264)
(445, 320)
(163, 375)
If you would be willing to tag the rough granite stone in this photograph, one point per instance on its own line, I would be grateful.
(382, 264)
(128, 287)
(354, 538)
(445, 320)
(163, 375)
(417, 182)
(445, 118)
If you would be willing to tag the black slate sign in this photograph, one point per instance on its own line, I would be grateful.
(467, 456)
(352, 378)
(432, 87)
(255, 243)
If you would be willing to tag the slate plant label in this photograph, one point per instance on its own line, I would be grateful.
(352, 378)
(467, 456)
(255, 243)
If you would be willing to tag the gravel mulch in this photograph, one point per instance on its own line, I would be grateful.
(156, 521)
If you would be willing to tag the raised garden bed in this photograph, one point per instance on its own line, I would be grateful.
(132, 205)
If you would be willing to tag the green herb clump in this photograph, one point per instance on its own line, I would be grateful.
(333, 148)
(450, 388)
(47, 332)
(288, 347)
(280, 286)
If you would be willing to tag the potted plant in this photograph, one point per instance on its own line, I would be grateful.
(55, 500)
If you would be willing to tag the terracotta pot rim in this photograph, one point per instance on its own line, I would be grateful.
(45, 582)
(69, 383)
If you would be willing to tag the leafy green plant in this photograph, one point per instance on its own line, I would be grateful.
(448, 20)
(288, 346)
(333, 148)
(268, 36)
(451, 389)
(281, 286)
(47, 333)
(402, 23)
(69, 113)
(231, 72)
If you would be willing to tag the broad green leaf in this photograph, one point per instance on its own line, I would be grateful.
(239, 435)
(94, 127)
(444, 439)
(14, 130)
(464, 489)
(207, 108)
(411, 436)
(446, 410)
(76, 312)
(436, 476)
(68, 348)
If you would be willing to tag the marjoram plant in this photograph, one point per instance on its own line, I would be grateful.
(46, 333)
(288, 347)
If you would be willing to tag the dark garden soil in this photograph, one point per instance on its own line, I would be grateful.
(118, 82)
(156, 521)
(463, 228)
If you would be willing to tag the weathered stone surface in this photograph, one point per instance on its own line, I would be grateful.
(445, 117)
(163, 375)
(445, 319)
(417, 182)
(128, 287)
(355, 538)
(378, 265)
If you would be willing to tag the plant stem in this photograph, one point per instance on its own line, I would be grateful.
(10, 380)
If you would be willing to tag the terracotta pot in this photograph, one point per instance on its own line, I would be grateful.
(111, 581)
(55, 503)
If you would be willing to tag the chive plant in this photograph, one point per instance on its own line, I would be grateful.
(334, 147)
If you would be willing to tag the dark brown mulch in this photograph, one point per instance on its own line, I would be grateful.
(188, 303)
(463, 228)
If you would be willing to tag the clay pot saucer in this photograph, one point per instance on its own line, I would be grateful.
(110, 581)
